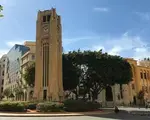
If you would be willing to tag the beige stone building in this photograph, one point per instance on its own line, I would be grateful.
(26, 60)
(2, 73)
(48, 73)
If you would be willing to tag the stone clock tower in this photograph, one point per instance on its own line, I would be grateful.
(48, 70)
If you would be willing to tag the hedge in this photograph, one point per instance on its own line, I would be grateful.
(12, 107)
(50, 107)
(80, 106)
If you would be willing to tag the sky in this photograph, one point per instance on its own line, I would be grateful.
(119, 27)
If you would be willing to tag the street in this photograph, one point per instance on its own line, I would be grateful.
(122, 115)
(111, 116)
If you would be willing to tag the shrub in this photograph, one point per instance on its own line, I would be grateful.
(50, 107)
(12, 106)
(80, 106)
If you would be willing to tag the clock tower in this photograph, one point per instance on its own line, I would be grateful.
(48, 69)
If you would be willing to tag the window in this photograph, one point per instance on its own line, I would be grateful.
(33, 57)
(2, 89)
(141, 75)
(44, 18)
(144, 75)
(48, 18)
(3, 73)
(44, 94)
(121, 92)
(2, 81)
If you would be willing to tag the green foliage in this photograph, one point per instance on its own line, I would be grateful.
(11, 106)
(70, 73)
(1, 8)
(18, 90)
(94, 70)
(7, 92)
(100, 70)
(29, 75)
(80, 106)
(50, 107)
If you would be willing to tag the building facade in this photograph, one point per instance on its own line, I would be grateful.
(2, 73)
(48, 72)
(26, 60)
(12, 77)
(127, 93)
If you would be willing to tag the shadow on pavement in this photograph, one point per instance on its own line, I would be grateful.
(122, 115)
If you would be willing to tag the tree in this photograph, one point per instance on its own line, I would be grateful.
(1, 8)
(104, 70)
(70, 73)
(7, 92)
(29, 75)
(18, 90)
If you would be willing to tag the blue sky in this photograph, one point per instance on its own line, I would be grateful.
(119, 27)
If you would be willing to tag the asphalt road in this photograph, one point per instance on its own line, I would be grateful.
(124, 115)
(112, 116)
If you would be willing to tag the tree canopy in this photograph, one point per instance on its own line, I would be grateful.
(18, 90)
(1, 8)
(98, 70)
(7, 92)
(70, 73)
(29, 75)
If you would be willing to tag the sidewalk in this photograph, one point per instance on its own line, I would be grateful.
(52, 114)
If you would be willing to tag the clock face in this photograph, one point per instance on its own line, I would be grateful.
(45, 29)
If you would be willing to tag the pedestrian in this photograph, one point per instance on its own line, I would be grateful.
(116, 110)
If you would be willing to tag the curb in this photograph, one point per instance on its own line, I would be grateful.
(50, 115)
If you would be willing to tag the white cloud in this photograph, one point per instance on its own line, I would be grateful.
(129, 45)
(141, 53)
(3, 51)
(101, 9)
(143, 15)
(98, 47)
(67, 41)
(115, 50)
